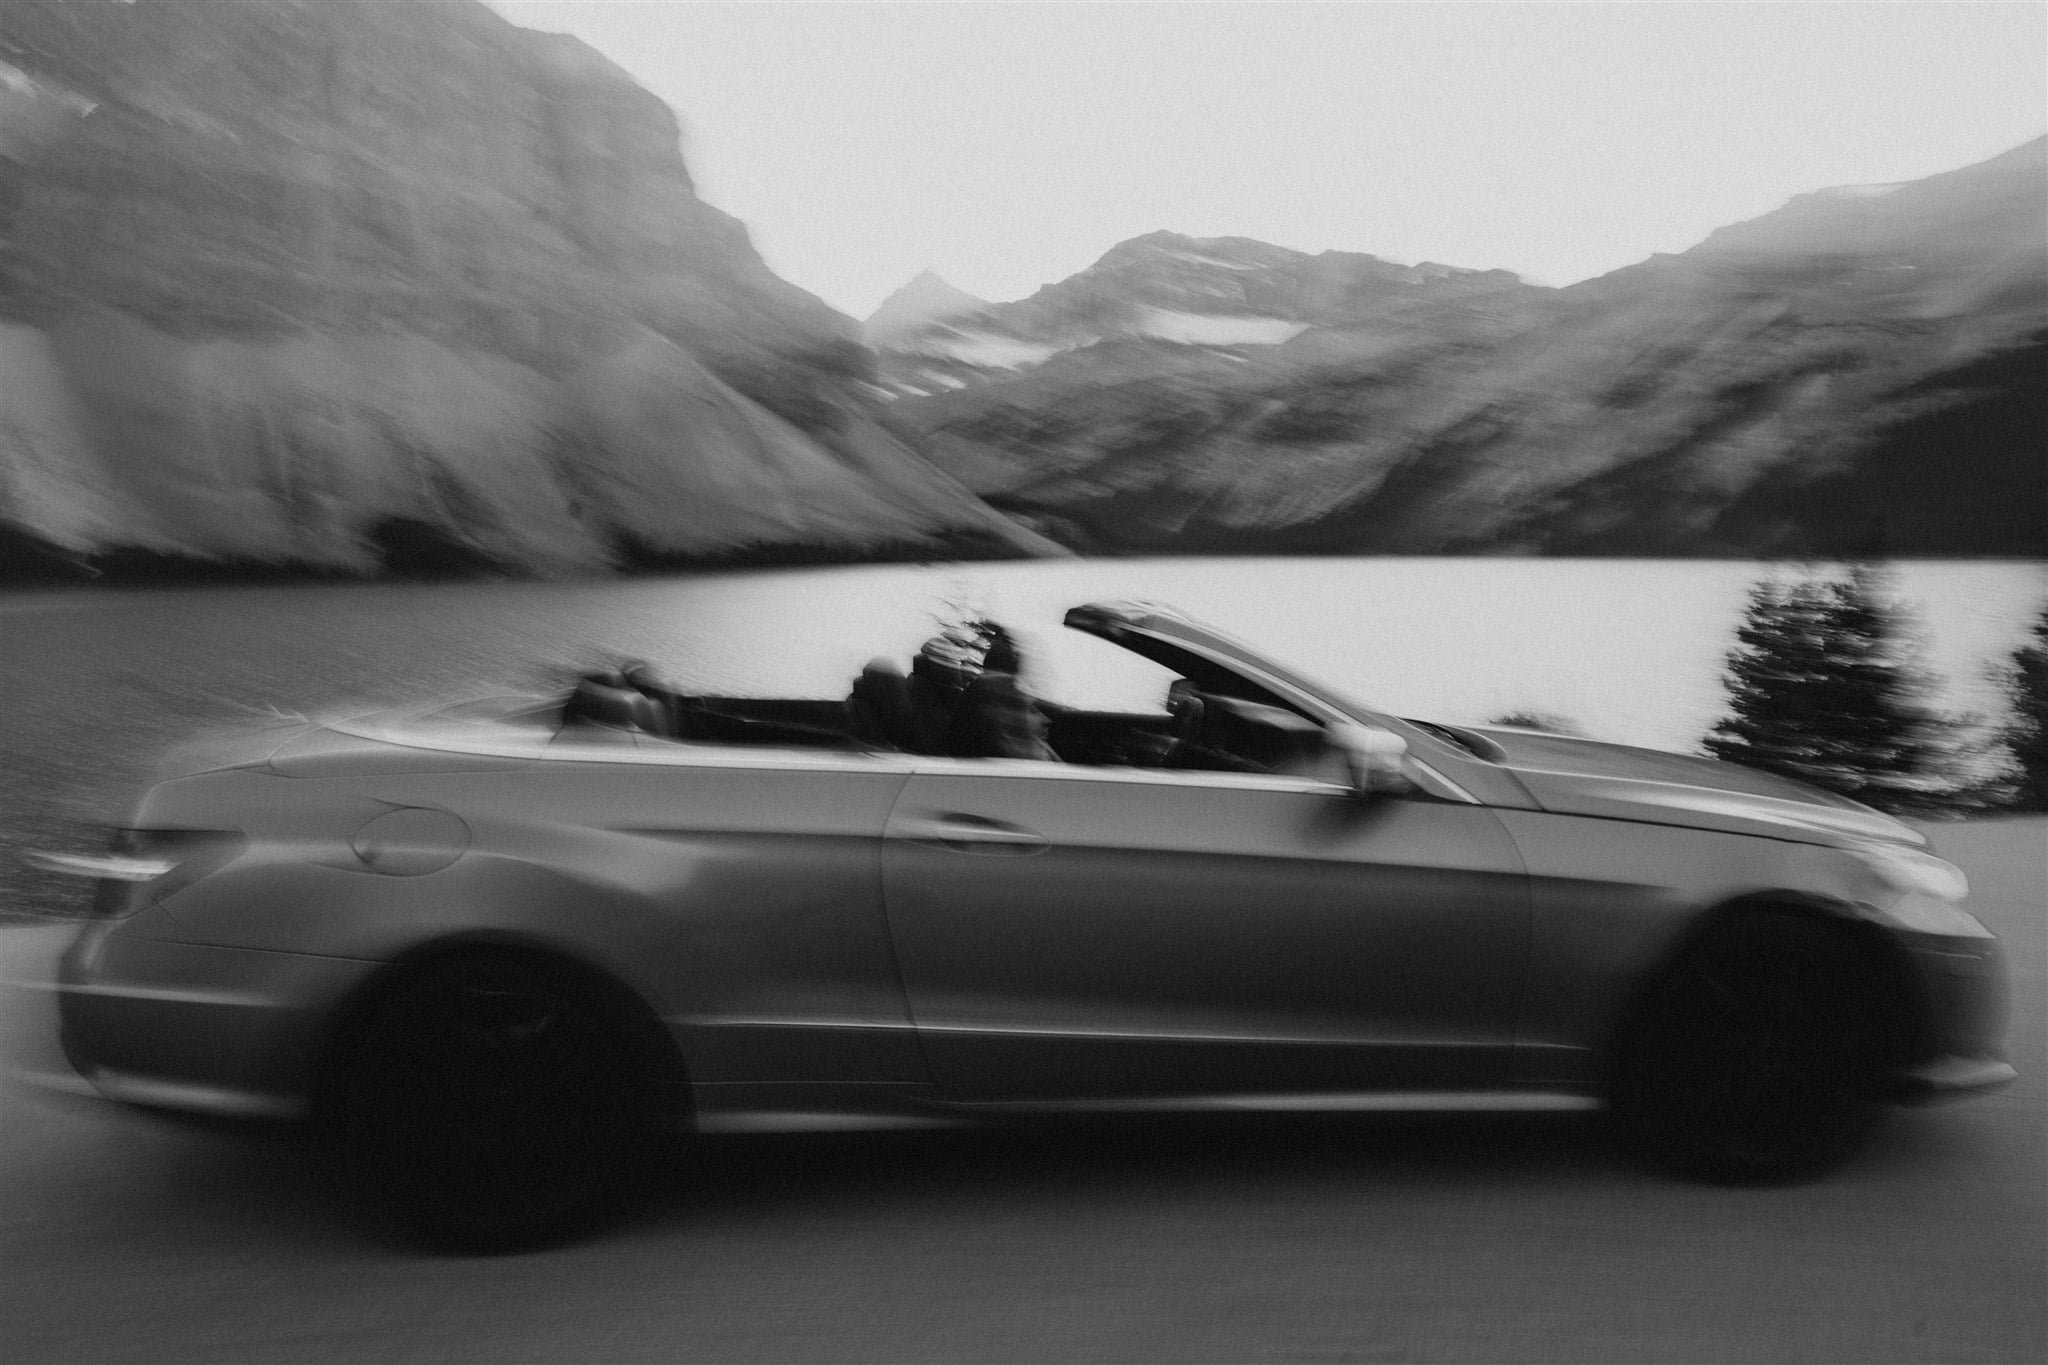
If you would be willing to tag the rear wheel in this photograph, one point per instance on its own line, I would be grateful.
(1758, 1057)
(493, 1100)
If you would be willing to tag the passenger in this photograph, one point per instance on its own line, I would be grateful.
(945, 665)
(914, 712)
(996, 717)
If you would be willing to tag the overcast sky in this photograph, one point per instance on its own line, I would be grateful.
(1009, 145)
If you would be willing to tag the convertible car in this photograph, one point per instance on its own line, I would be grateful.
(491, 947)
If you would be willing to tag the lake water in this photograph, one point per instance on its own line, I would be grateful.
(1629, 650)
(1624, 650)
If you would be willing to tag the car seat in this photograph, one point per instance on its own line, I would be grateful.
(909, 713)
(599, 701)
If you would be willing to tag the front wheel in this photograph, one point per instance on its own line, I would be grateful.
(1758, 1057)
(492, 1100)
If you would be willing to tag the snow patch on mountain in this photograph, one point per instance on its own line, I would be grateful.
(1216, 329)
(986, 348)
(1198, 258)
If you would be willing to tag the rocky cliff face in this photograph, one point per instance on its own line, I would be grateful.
(279, 275)
(1860, 372)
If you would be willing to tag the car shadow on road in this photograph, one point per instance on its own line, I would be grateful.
(1125, 1158)
(215, 1180)
(246, 1182)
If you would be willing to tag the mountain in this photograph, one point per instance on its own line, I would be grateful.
(1989, 213)
(294, 282)
(1163, 287)
(927, 299)
(1859, 372)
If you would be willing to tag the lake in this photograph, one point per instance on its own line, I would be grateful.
(99, 681)
(1629, 650)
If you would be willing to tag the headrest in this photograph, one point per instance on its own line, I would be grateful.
(623, 707)
(645, 678)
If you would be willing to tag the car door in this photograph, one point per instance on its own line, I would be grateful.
(1075, 931)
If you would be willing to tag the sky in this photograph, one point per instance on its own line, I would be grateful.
(1009, 145)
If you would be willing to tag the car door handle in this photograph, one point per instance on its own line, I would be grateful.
(972, 834)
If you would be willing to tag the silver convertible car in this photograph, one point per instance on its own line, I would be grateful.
(491, 947)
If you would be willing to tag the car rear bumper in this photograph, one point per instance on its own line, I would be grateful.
(1952, 1077)
(211, 1030)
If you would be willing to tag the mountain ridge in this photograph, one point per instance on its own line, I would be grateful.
(287, 283)
(1164, 286)
(1704, 402)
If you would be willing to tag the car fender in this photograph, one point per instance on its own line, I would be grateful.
(767, 959)
(1614, 902)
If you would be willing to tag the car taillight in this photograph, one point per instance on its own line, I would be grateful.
(145, 865)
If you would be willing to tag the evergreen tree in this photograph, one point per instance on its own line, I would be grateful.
(2027, 734)
(1820, 689)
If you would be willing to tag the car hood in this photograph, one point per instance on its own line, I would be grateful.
(1619, 782)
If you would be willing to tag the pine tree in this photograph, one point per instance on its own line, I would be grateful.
(1821, 689)
(2027, 734)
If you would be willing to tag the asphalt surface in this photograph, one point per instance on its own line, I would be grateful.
(127, 1237)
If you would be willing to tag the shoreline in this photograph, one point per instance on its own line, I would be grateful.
(178, 573)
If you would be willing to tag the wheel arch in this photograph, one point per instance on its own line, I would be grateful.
(660, 1062)
(1881, 955)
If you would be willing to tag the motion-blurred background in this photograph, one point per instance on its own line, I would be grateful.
(354, 287)
(351, 352)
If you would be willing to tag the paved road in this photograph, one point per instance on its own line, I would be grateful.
(127, 1238)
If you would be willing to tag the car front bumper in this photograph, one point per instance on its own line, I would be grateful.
(1961, 983)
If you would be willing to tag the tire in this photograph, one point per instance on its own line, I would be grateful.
(1758, 1057)
(493, 1102)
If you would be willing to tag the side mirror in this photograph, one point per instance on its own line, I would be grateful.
(1373, 757)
